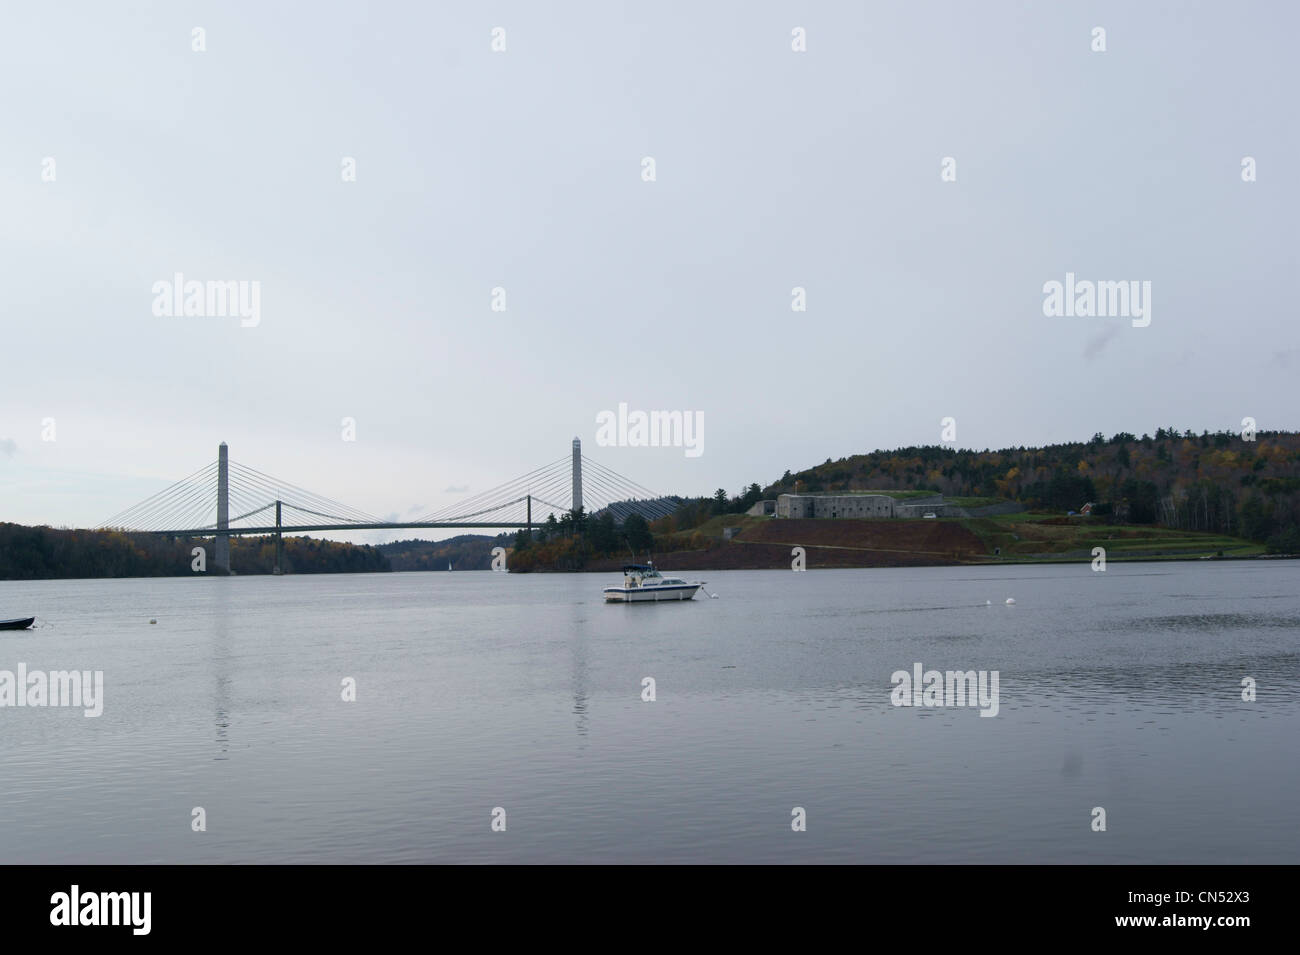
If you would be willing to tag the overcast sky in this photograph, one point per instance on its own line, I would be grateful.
(523, 170)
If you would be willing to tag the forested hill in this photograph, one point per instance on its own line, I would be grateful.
(37, 553)
(1209, 481)
(463, 552)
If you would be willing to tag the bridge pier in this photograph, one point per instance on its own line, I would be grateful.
(221, 543)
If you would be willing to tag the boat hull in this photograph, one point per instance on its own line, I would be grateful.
(18, 623)
(639, 595)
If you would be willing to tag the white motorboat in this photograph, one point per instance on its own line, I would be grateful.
(642, 583)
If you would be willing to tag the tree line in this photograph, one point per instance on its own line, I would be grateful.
(576, 537)
(38, 553)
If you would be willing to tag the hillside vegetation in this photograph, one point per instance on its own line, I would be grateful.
(463, 552)
(1215, 483)
(1168, 495)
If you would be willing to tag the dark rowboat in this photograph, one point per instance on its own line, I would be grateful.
(18, 623)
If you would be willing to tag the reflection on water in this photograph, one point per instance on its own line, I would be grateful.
(579, 645)
(1121, 689)
(221, 670)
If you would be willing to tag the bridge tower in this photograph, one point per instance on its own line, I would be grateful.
(221, 543)
(577, 475)
(279, 542)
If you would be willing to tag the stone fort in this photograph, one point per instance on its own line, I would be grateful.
(867, 505)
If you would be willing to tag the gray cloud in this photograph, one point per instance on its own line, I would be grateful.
(1285, 358)
(1097, 344)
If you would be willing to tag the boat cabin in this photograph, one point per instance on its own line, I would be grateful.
(645, 575)
(634, 574)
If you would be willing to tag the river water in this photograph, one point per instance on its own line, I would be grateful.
(475, 692)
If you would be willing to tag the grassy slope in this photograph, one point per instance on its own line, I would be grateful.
(1048, 537)
(1024, 538)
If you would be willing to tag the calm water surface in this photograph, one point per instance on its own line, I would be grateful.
(477, 690)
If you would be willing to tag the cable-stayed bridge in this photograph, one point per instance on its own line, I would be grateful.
(202, 504)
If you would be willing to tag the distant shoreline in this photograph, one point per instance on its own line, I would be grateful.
(667, 564)
(731, 542)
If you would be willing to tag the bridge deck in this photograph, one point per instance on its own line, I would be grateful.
(294, 528)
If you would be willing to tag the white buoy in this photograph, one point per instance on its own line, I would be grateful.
(1011, 601)
(988, 603)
